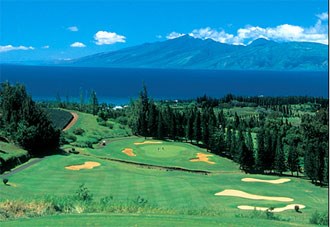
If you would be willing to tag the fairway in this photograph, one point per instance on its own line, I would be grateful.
(182, 197)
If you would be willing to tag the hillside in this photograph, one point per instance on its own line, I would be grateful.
(190, 53)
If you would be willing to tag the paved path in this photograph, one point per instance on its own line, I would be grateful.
(24, 166)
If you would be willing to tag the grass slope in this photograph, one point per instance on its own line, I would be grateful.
(172, 192)
(8, 151)
(139, 220)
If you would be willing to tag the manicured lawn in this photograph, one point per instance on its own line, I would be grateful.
(164, 154)
(140, 220)
(177, 192)
(165, 189)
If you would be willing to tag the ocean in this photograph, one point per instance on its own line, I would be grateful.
(118, 86)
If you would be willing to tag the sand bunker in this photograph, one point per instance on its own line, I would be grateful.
(278, 181)
(129, 152)
(86, 165)
(202, 158)
(275, 210)
(148, 142)
(237, 193)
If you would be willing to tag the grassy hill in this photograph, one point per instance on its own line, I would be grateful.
(126, 194)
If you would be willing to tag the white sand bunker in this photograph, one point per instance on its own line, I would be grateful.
(278, 181)
(237, 193)
(275, 210)
(86, 165)
(148, 142)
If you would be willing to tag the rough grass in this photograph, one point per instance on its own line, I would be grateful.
(94, 132)
(8, 150)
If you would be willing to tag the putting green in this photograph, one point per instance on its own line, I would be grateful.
(162, 151)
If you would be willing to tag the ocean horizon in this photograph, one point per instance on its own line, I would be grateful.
(118, 86)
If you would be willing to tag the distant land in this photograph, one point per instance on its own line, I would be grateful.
(191, 53)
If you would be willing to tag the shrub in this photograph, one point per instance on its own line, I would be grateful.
(70, 138)
(79, 131)
(5, 181)
(83, 194)
(110, 125)
(319, 218)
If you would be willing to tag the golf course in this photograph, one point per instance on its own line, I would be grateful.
(136, 181)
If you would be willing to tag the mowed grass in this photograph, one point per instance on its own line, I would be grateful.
(139, 220)
(95, 132)
(8, 150)
(172, 190)
(163, 153)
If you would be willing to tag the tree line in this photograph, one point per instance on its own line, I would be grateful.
(262, 143)
(25, 123)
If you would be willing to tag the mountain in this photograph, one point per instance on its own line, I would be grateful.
(190, 53)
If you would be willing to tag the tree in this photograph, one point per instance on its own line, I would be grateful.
(261, 154)
(197, 127)
(293, 160)
(190, 125)
(94, 103)
(25, 122)
(279, 163)
(246, 159)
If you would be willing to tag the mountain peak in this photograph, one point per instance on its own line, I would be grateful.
(260, 41)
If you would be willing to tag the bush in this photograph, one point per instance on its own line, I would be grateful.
(79, 131)
(110, 125)
(70, 138)
(319, 218)
(83, 194)
(5, 181)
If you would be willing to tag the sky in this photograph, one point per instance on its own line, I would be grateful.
(49, 30)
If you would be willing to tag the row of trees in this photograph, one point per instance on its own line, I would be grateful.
(24, 122)
(277, 147)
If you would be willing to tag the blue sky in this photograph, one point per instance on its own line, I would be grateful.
(53, 30)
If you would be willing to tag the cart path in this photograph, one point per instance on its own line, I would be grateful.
(72, 122)
(22, 167)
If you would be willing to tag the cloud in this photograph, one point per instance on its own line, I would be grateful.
(323, 16)
(318, 33)
(73, 28)
(45, 47)
(106, 38)
(174, 35)
(77, 44)
(11, 48)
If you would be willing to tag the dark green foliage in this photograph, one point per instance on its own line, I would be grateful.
(78, 131)
(197, 127)
(279, 163)
(319, 218)
(25, 122)
(93, 103)
(5, 180)
(59, 118)
(83, 194)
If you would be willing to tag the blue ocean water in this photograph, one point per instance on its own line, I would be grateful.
(118, 86)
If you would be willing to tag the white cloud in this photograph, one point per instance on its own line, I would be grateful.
(174, 35)
(159, 36)
(73, 28)
(11, 48)
(77, 44)
(106, 38)
(45, 47)
(284, 32)
(323, 16)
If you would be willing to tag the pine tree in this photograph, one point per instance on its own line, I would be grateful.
(246, 158)
(261, 154)
(279, 163)
(293, 159)
(94, 103)
(197, 127)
